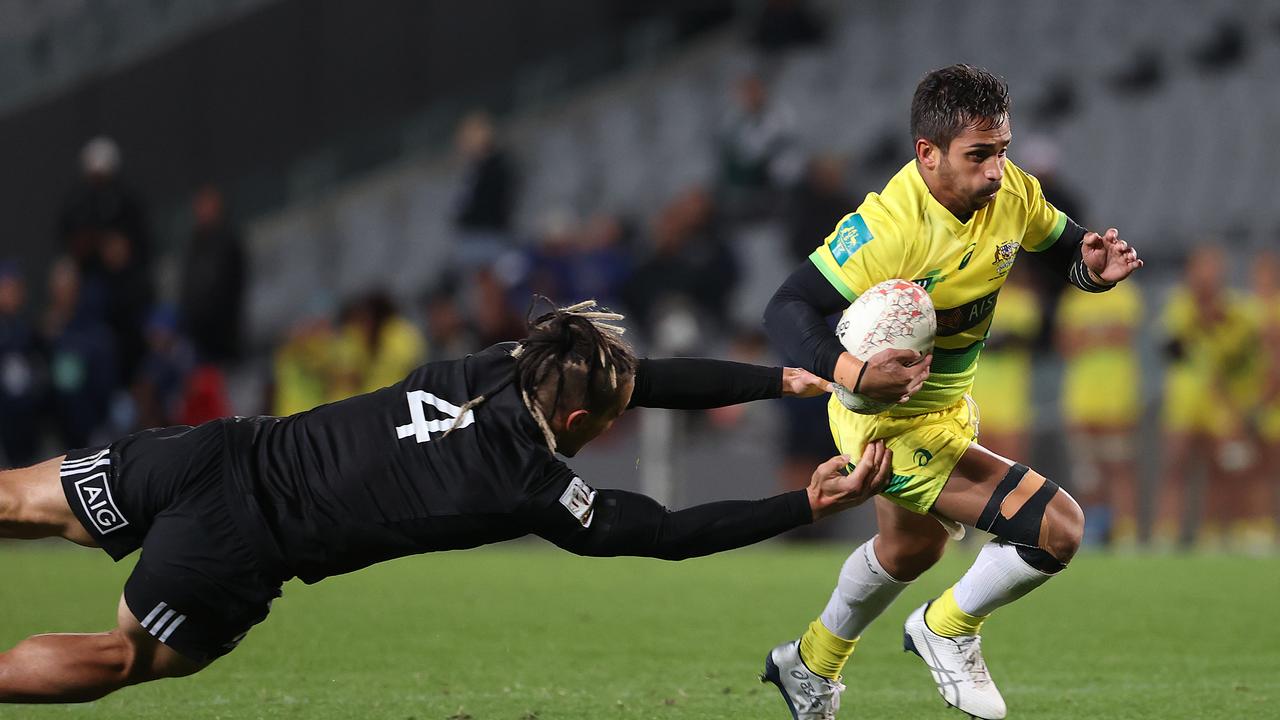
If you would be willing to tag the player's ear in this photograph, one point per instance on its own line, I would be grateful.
(927, 153)
(575, 419)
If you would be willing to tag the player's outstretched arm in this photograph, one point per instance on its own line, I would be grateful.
(703, 383)
(796, 322)
(625, 523)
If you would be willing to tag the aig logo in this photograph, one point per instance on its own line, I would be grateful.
(95, 497)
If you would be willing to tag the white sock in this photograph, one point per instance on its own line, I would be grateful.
(863, 592)
(996, 578)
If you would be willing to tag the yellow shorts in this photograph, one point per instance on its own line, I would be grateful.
(925, 447)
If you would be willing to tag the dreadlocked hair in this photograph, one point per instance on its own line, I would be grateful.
(573, 355)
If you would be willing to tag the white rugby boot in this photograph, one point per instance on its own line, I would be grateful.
(808, 696)
(957, 666)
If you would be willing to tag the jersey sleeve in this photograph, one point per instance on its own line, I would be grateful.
(559, 505)
(862, 251)
(1045, 223)
(609, 523)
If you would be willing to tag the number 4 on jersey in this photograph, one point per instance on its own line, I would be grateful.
(420, 427)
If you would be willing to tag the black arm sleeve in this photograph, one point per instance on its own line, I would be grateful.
(700, 383)
(1062, 255)
(625, 523)
(795, 320)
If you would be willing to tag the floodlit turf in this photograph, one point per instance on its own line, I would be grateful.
(527, 632)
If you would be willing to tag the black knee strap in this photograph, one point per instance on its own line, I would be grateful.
(1040, 559)
(1023, 529)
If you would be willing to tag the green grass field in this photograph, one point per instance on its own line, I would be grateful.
(525, 632)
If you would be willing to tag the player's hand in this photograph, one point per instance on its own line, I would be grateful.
(798, 382)
(832, 490)
(893, 376)
(1109, 258)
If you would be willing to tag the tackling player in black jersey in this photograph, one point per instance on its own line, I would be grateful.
(460, 453)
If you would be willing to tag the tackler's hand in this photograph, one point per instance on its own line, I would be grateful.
(835, 486)
(798, 382)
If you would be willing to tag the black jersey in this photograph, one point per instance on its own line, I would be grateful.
(227, 511)
(372, 478)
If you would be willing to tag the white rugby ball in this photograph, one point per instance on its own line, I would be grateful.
(894, 314)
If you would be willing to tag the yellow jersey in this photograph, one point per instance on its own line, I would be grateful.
(1102, 384)
(1217, 354)
(904, 232)
(1002, 387)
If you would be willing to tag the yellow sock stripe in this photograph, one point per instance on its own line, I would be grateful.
(824, 652)
(947, 619)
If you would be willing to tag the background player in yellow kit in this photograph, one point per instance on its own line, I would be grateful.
(1262, 497)
(1210, 345)
(1101, 399)
(1002, 387)
(953, 220)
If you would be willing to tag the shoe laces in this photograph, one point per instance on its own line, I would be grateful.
(972, 661)
(827, 694)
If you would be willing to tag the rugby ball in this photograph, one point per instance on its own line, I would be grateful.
(894, 314)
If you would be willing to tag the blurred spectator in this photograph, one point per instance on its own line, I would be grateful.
(21, 374)
(487, 197)
(816, 205)
(1002, 387)
(571, 262)
(1224, 48)
(448, 335)
(304, 368)
(1263, 494)
(1040, 156)
(161, 382)
(550, 257)
(602, 261)
(82, 357)
(757, 151)
(101, 203)
(377, 346)
(691, 265)
(1101, 403)
(205, 397)
(214, 277)
(785, 24)
(128, 291)
(493, 317)
(1210, 343)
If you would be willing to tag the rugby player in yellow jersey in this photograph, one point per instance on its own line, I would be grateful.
(1262, 497)
(1210, 345)
(1101, 400)
(954, 220)
(1002, 387)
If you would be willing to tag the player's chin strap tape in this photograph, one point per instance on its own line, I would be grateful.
(1022, 530)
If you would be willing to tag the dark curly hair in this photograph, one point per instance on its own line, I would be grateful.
(573, 356)
(950, 99)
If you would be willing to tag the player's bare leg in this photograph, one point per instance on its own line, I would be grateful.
(1038, 527)
(1171, 508)
(79, 667)
(1221, 523)
(71, 667)
(807, 671)
(1121, 475)
(908, 543)
(33, 505)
